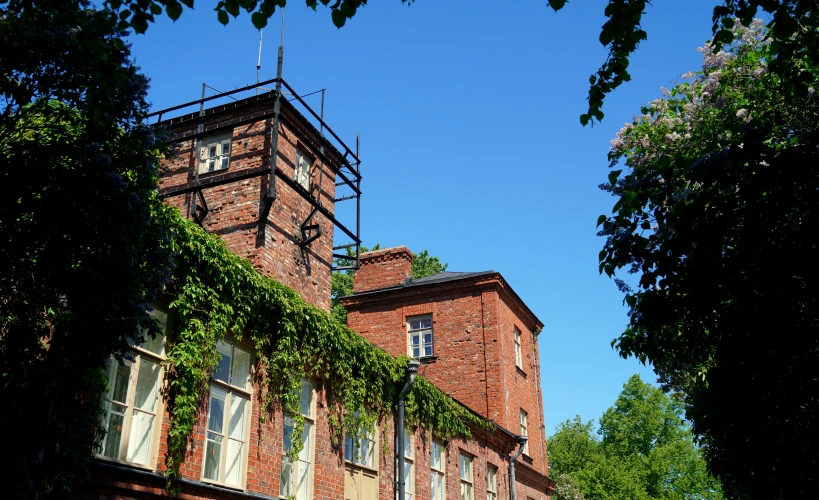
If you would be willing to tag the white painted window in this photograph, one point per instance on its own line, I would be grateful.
(491, 482)
(132, 410)
(438, 466)
(214, 152)
(228, 417)
(518, 355)
(360, 466)
(409, 465)
(297, 476)
(467, 486)
(360, 449)
(524, 430)
(304, 165)
(419, 337)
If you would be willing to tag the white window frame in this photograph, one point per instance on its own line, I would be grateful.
(214, 152)
(518, 350)
(425, 348)
(305, 464)
(233, 390)
(353, 446)
(524, 429)
(140, 355)
(409, 464)
(491, 482)
(303, 168)
(467, 476)
(437, 448)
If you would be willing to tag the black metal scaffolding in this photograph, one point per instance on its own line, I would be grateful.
(347, 170)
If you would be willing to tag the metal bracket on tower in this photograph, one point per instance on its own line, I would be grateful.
(305, 227)
(199, 212)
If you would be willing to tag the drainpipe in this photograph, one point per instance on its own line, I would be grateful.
(412, 370)
(521, 441)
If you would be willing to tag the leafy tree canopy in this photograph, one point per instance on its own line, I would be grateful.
(794, 27)
(643, 450)
(717, 192)
(81, 253)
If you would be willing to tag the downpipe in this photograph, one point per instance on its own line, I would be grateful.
(521, 440)
(412, 370)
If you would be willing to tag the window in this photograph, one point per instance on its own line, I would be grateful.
(409, 465)
(296, 477)
(304, 165)
(360, 450)
(524, 430)
(131, 407)
(467, 490)
(491, 482)
(419, 343)
(360, 474)
(214, 153)
(518, 356)
(228, 415)
(438, 465)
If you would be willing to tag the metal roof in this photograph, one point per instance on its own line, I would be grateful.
(429, 280)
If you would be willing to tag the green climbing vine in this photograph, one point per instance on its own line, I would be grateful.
(215, 293)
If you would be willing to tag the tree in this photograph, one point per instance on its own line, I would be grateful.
(795, 28)
(716, 214)
(423, 265)
(645, 451)
(82, 252)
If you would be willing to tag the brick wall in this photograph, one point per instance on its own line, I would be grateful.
(272, 247)
(383, 268)
(473, 322)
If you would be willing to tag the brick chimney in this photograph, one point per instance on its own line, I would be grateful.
(383, 269)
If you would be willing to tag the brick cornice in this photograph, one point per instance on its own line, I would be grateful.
(428, 292)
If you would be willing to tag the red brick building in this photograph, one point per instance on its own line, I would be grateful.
(482, 351)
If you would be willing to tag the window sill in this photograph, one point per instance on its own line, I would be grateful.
(360, 466)
(222, 485)
(215, 172)
(526, 458)
(122, 463)
(521, 372)
(425, 360)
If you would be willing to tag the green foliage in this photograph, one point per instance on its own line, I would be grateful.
(425, 265)
(646, 451)
(716, 214)
(216, 293)
(81, 252)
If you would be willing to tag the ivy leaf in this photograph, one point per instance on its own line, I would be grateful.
(584, 119)
(156, 9)
(312, 4)
(557, 4)
(223, 17)
(339, 19)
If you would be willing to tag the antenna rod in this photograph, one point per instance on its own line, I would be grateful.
(259, 62)
(274, 132)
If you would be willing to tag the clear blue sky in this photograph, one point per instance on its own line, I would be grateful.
(471, 143)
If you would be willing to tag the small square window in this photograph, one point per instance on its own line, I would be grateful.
(304, 165)
(214, 153)
(419, 337)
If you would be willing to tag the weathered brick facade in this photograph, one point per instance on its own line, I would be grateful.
(474, 317)
(472, 322)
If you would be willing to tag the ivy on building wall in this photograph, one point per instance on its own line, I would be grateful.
(215, 294)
